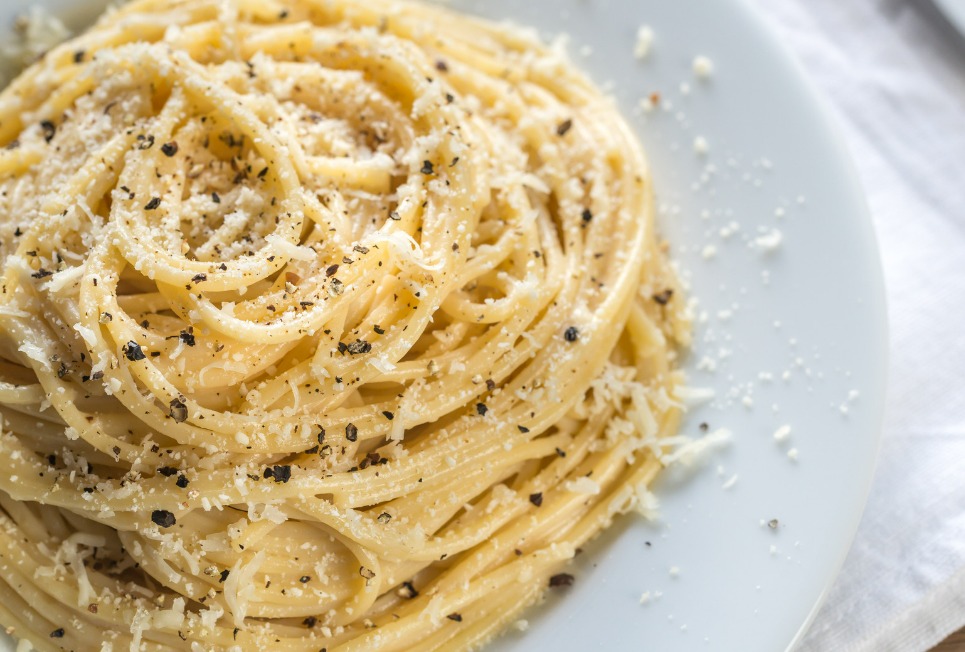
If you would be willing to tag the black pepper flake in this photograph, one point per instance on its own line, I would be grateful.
(560, 452)
(358, 347)
(281, 473)
(367, 573)
(170, 149)
(704, 427)
(178, 411)
(564, 127)
(336, 287)
(153, 204)
(321, 435)
(133, 351)
(234, 633)
(167, 471)
(455, 617)
(587, 216)
(523, 429)
(264, 171)
(490, 384)
(199, 278)
(42, 273)
(442, 66)
(216, 198)
(187, 337)
(155, 354)
(571, 334)
(481, 409)
(360, 249)
(145, 143)
(394, 215)
(57, 633)
(223, 576)
(351, 432)
(304, 579)
(79, 56)
(384, 518)
(407, 591)
(378, 330)
(310, 621)
(49, 129)
(561, 579)
(331, 270)
(427, 167)
(536, 499)
(163, 518)
(663, 298)
(182, 481)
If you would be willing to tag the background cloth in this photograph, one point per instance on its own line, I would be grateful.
(893, 74)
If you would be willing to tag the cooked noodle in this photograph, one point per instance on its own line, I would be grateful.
(324, 324)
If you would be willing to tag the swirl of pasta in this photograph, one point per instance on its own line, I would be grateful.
(324, 324)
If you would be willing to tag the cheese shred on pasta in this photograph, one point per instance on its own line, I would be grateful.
(324, 324)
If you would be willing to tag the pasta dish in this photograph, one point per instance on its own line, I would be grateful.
(324, 325)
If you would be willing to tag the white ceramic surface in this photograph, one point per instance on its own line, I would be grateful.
(954, 11)
(809, 315)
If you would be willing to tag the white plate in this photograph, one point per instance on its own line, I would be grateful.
(741, 585)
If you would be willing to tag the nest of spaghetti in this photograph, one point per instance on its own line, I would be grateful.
(323, 325)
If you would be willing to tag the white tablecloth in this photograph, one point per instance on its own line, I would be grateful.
(893, 73)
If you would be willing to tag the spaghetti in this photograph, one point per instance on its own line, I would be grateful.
(330, 325)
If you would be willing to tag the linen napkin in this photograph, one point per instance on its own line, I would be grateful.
(893, 73)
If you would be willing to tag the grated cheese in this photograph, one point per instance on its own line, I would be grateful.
(644, 42)
(693, 451)
(782, 433)
(582, 485)
(238, 588)
(647, 503)
(703, 67)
